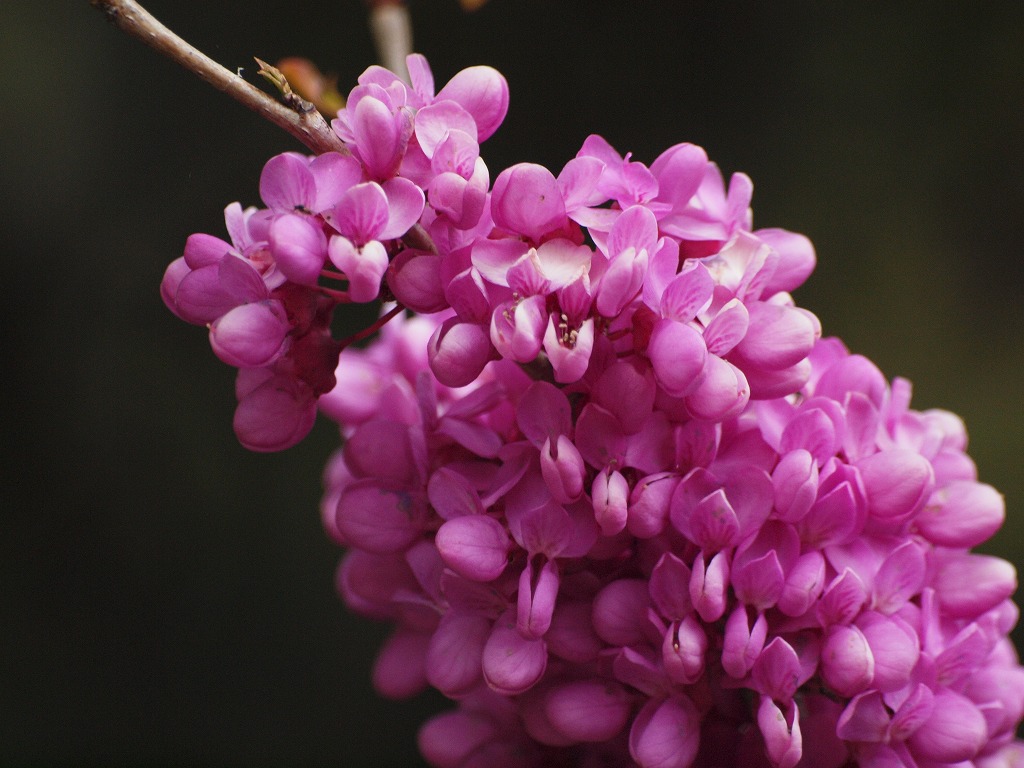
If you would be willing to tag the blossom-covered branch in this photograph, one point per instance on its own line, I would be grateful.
(306, 125)
(620, 498)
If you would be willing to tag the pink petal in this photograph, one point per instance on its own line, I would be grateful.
(588, 710)
(610, 493)
(476, 438)
(201, 295)
(915, 710)
(546, 529)
(620, 612)
(578, 182)
(569, 359)
(299, 248)
(842, 599)
(455, 653)
(635, 228)
(759, 582)
(898, 483)
(398, 671)
(962, 656)
(811, 430)
(561, 261)
(649, 504)
(380, 136)
(543, 413)
(865, 718)
(722, 394)
(474, 546)
(240, 282)
(847, 663)
(405, 205)
(526, 200)
(665, 733)
(795, 480)
(709, 586)
(452, 495)
(458, 352)
(275, 415)
(782, 739)
(678, 355)
(511, 664)
(571, 635)
(481, 91)
(683, 651)
(955, 731)
(833, 519)
(250, 335)
(433, 123)
(727, 328)
(711, 523)
(420, 76)
(538, 590)
(448, 739)
(765, 384)
(517, 328)
(415, 280)
(669, 587)
(680, 170)
(967, 585)
(287, 183)
(900, 577)
(461, 201)
(804, 584)
(894, 646)
(777, 338)
(203, 250)
(457, 153)
(796, 259)
(688, 293)
(743, 642)
(563, 470)
(362, 213)
(334, 174)
(627, 390)
(854, 373)
(494, 258)
(176, 271)
(364, 267)
(381, 448)
(379, 518)
(962, 514)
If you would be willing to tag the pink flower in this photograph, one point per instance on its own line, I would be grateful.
(617, 496)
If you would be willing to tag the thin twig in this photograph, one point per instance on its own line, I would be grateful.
(309, 127)
(381, 322)
(392, 34)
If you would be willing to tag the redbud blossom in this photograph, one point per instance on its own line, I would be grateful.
(620, 499)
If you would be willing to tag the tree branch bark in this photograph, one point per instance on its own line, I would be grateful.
(306, 125)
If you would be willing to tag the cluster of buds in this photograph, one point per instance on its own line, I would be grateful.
(619, 498)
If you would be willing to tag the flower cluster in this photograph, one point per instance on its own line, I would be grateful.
(620, 499)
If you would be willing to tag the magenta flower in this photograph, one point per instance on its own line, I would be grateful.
(619, 498)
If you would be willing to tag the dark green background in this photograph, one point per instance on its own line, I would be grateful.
(165, 597)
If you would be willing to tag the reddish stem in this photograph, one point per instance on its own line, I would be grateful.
(384, 320)
(339, 297)
(332, 275)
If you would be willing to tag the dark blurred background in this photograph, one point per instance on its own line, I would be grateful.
(166, 598)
